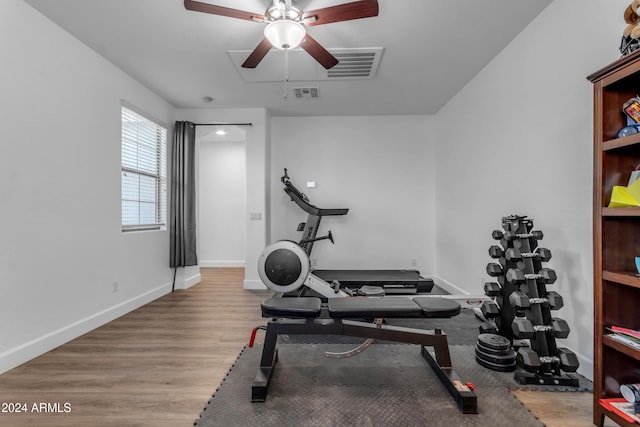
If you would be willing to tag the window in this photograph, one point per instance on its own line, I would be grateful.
(144, 176)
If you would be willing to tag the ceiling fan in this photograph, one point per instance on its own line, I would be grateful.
(285, 25)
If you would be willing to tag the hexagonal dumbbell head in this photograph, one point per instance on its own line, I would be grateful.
(494, 270)
(568, 360)
(490, 309)
(519, 299)
(522, 328)
(544, 254)
(514, 275)
(547, 275)
(528, 359)
(554, 300)
(560, 328)
(492, 289)
(495, 251)
(497, 234)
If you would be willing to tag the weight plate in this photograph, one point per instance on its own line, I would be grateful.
(494, 341)
(502, 360)
(492, 351)
(495, 367)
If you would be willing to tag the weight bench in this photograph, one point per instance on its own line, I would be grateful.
(339, 316)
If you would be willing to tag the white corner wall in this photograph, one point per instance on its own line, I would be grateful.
(66, 266)
(381, 168)
(257, 167)
(518, 140)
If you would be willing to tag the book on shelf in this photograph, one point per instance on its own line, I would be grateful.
(621, 407)
(626, 331)
(624, 336)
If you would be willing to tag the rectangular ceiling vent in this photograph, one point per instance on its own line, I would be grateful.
(355, 64)
(306, 92)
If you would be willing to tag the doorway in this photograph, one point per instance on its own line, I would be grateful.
(222, 200)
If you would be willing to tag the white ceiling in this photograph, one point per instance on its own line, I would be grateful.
(432, 48)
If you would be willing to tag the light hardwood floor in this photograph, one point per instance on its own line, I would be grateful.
(158, 365)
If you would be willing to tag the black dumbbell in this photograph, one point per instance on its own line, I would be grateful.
(535, 234)
(543, 254)
(521, 300)
(559, 328)
(490, 309)
(554, 300)
(492, 289)
(546, 275)
(494, 270)
(495, 251)
(528, 359)
(568, 360)
(523, 328)
(497, 234)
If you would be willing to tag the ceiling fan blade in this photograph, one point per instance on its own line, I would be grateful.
(222, 11)
(258, 53)
(319, 53)
(343, 12)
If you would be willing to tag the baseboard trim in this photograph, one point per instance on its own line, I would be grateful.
(34, 348)
(221, 264)
(586, 366)
(448, 286)
(255, 285)
(191, 281)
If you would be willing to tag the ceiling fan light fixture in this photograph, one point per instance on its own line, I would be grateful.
(284, 34)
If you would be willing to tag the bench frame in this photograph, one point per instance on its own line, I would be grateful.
(439, 359)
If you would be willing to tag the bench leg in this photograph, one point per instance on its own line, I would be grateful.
(267, 365)
(465, 398)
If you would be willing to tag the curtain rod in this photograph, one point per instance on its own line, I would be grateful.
(223, 124)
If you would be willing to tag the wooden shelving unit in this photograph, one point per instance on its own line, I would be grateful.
(616, 235)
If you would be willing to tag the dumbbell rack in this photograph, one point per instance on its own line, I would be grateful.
(521, 305)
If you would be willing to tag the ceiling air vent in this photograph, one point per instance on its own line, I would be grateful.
(354, 64)
(306, 92)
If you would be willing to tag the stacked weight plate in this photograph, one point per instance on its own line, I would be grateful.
(494, 352)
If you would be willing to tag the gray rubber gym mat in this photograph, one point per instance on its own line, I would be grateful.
(387, 385)
(461, 330)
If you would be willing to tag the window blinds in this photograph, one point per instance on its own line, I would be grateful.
(144, 178)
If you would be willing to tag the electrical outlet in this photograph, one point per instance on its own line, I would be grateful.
(115, 286)
(414, 262)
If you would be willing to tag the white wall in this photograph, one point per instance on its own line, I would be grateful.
(381, 168)
(222, 199)
(257, 167)
(518, 139)
(61, 245)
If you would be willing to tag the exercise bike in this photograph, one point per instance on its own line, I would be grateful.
(390, 281)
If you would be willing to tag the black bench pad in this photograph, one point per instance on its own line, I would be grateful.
(355, 307)
(359, 307)
(291, 307)
(437, 307)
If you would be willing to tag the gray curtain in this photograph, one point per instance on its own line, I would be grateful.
(183, 196)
